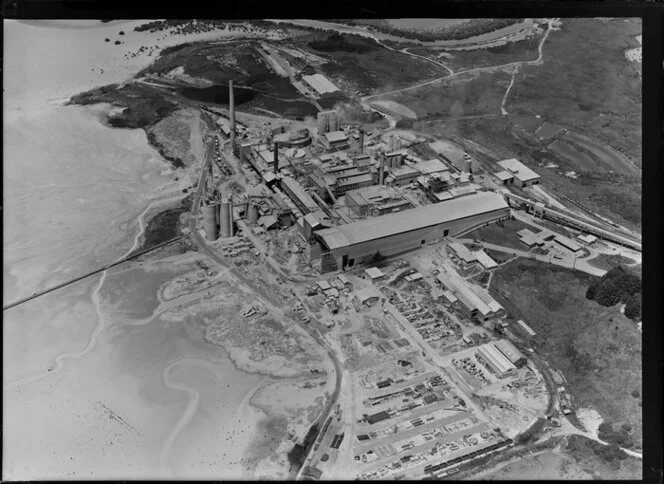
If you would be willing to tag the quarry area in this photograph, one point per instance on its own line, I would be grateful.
(398, 285)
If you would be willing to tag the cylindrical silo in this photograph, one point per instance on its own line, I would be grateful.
(226, 218)
(252, 213)
(209, 222)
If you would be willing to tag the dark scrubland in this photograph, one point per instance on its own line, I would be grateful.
(597, 348)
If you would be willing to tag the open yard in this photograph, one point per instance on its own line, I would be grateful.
(597, 348)
(505, 235)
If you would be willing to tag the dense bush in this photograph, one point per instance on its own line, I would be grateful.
(336, 42)
(615, 286)
(633, 306)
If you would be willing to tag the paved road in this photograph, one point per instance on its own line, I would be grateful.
(276, 304)
(568, 262)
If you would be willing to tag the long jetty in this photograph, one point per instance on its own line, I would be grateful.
(131, 256)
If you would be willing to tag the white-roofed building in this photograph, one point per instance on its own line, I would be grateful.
(504, 177)
(511, 352)
(587, 238)
(320, 83)
(475, 300)
(374, 273)
(486, 260)
(491, 357)
(399, 232)
(462, 252)
(429, 167)
(567, 243)
(367, 295)
(335, 140)
(523, 176)
(526, 329)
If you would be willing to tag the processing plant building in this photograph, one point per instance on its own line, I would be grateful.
(399, 232)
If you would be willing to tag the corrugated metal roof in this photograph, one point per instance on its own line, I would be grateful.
(333, 136)
(521, 171)
(374, 272)
(462, 251)
(463, 292)
(495, 357)
(298, 191)
(416, 218)
(503, 175)
(510, 351)
(567, 242)
(430, 166)
(485, 259)
(320, 83)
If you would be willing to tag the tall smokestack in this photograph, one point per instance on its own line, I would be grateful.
(276, 157)
(381, 171)
(361, 141)
(231, 107)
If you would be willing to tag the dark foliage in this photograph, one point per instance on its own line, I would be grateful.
(618, 285)
(633, 307)
(337, 42)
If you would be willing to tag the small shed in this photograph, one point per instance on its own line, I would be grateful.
(324, 285)
(374, 273)
(367, 296)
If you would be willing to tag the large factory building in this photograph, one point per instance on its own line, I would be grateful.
(346, 245)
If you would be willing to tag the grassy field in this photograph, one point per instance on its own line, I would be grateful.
(585, 74)
(470, 95)
(597, 348)
(609, 261)
(373, 68)
(458, 60)
(584, 84)
(505, 235)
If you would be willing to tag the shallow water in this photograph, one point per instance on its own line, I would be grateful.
(84, 384)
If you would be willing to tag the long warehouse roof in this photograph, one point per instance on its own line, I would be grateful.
(495, 357)
(409, 220)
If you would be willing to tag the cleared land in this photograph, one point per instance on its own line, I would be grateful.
(505, 235)
(609, 261)
(597, 348)
(470, 95)
(522, 50)
(585, 74)
(363, 64)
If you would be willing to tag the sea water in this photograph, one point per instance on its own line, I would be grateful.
(92, 390)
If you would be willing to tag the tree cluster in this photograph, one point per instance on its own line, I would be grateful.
(618, 438)
(618, 285)
(337, 43)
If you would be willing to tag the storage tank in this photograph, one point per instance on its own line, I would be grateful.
(252, 213)
(226, 218)
(209, 221)
(333, 122)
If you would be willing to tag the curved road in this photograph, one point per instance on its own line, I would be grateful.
(204, 247)
(477, 69)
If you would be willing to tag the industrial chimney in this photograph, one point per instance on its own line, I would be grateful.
(361, 141)
(381, 171)
(276, 157)
(231, 108)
